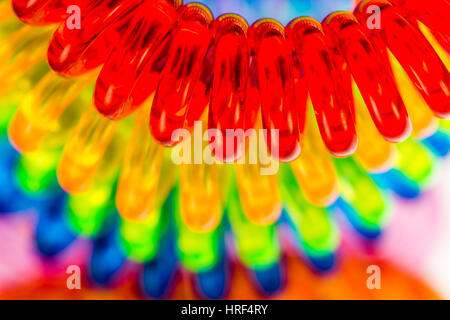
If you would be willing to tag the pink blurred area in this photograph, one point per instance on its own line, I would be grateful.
(20, 262)
(417, 239)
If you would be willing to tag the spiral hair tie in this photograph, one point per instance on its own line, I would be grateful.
(353, 110)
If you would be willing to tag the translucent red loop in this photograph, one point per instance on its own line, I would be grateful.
(181, 88)
(281, 109)
(375, 83)
(229, 87)
(414, 53)
(132, 71)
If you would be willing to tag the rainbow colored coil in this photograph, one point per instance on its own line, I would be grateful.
(171, 65)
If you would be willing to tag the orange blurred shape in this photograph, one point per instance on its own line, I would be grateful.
(259, 194)
(349, 281)
(200, 197)
(314, 169)
(84, 150)
(140, 174)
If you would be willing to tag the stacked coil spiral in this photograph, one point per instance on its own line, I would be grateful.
(159, 66)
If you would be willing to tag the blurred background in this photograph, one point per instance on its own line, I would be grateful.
(413, 254)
